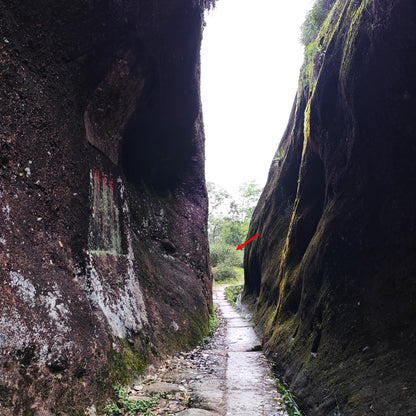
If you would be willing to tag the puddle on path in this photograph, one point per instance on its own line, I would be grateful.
(227, 377)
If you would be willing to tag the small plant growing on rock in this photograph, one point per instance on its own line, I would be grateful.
(126, 406)
(112, 410)
(279, 156)
(288, 399)
(213, 323)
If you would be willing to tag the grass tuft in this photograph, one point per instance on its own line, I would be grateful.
(125, 406)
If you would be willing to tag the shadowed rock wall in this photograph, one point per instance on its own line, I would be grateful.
(333, 272)
(103, 243)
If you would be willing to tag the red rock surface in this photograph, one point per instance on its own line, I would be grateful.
(103, 244)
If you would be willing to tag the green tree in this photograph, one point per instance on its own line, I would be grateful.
(250, 192)
(229, 217)
(217, 197)
(231, 231)
(219, 201)
(228, 223)
(222, 253)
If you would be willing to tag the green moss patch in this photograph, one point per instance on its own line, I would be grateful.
(125, 362)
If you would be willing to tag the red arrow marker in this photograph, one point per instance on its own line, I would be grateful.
(240, 246)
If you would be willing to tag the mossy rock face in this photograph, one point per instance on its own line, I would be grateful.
(333, 274)
(125, 363)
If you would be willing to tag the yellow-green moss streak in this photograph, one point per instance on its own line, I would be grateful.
(195, 332)
(125, 363)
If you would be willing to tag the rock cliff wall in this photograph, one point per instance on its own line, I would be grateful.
(333, 272)
(103, 243)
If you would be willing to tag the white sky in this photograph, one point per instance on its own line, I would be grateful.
(251, 57)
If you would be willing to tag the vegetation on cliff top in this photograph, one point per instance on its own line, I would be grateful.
(314, 20)
(209, 4)
(314, 49)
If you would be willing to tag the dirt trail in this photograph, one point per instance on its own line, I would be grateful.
(227, 377)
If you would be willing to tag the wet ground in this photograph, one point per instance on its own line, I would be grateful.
(229, 376)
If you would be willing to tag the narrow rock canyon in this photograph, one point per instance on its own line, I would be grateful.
(104, 255)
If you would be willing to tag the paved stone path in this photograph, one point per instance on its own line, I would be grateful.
(227, 377)
(249, 388)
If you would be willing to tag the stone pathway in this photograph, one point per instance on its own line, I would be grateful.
(227, 377)
(249, 387)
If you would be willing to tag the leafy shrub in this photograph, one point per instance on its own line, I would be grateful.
(224, 272)
(225, 254)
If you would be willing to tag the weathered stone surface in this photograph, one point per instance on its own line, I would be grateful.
(160, 386)
(103, 248)
(332, 275)
(198, 412)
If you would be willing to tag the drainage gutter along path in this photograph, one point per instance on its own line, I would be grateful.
(229, 376)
